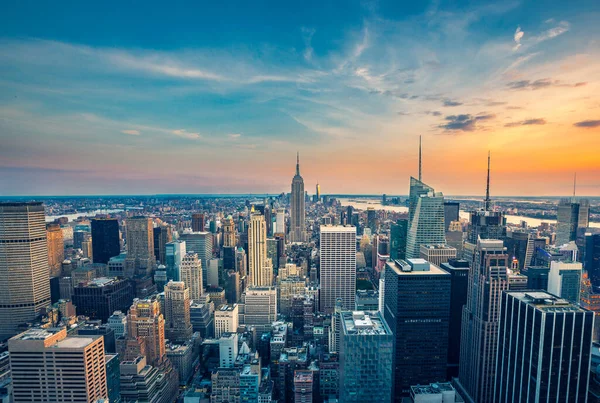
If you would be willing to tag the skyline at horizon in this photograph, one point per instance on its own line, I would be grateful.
(218, 99)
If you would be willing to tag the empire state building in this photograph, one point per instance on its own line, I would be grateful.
(297, 209)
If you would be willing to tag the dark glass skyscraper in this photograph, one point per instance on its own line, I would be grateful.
(451, 213)
(571, 215)
(417, 309)
(459, 283)
(105, 239)
(592, 259)
(544, 349)
(398, 232)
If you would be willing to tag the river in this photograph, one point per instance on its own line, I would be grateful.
(362, 204)
(73, 217)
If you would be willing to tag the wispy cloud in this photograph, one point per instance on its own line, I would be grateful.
(560, 29)
(450, 102)
(588, 124)
(540, 83)
(185, 134)
(527, 122)
(517, 38)
(234, 135)
(131, 132)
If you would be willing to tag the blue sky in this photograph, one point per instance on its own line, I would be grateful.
(131, 97)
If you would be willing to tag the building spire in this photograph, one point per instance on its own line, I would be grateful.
(419, 158)
(487, 188)
(297, 163)
(574, 184)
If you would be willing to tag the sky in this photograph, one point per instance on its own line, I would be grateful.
(218, 97)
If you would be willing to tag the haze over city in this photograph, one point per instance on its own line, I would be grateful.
(208, 98)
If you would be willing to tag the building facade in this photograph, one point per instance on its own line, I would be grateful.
(24, 274)
(337, 266)
(297, 208)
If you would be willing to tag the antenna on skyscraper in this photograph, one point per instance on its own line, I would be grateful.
(297, 162)
(487, 188)
(419, 158)
(574, 184)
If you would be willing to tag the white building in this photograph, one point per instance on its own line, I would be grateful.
(190, 272)
(338, 266)
(280, 221)
(437, 254)
(564, 280)
(259, 307)
(226, 319)
(118, 323)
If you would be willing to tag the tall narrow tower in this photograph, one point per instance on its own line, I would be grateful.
(140, 246)
(260, 266)
(24, 274)
(297, 208)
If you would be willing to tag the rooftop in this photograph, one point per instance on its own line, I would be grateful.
(363, 323)
(75, 342)
(338, 228)
(101, 282)
(545, 301)
(415, 267)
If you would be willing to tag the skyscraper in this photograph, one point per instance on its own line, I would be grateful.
(178, 328)
(146, 325)
(451, 213)
(564, 280)
(592, 258)
(366, 357)
(24, 274)
(229, 238)
(56, 249)
(140, 247)
(337, 266)
(571, 215)
(198, 222)
(260, 266)
(297, 207)
(417, 310)
(398, 232)
(488, 277)
(280, 222)
(486, 223)
(49, 366)
(426, 218)
(190, 272)
(202, 244)
(544, 349)
(174, 253)
(318, 193)
(459, 284)
(105, 239)
(162, 236)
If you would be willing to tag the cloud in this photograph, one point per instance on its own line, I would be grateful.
(307, 34)
(587, 123)
(433, 113)
(517, 37)
(464, 122)
(540, 83)
(560, 29)
(185, 134)
(234, 135)
(450, 102)
(131, 132)
(512, 107)
(527, 122)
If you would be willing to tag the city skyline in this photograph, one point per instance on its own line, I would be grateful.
(98, 103)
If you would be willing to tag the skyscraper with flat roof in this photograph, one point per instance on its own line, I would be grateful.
(572, 214)
(260, 266)
(366, 357)
(398, 233)
(417, 310)
(140, 247)
(564, 280)
(544, 349)
(49, 366)
(297, 207)
(337, 266)
(24, 274)
(451, 213)
(198, 222)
